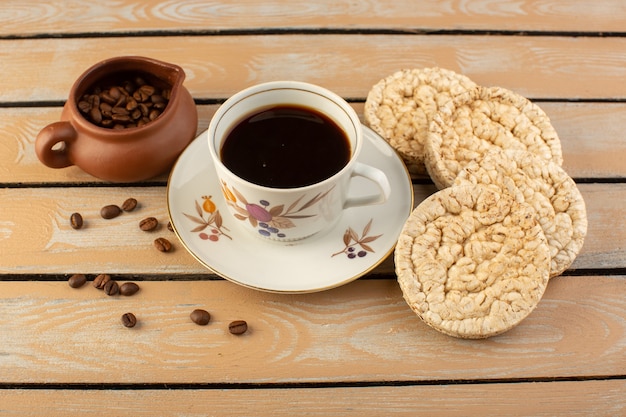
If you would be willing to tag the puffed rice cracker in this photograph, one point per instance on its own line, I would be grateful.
(482, 119)
(550, 180)
(472, 262)
(400, 107)
(495, 168)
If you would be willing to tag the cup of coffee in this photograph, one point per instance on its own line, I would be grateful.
(285, 153)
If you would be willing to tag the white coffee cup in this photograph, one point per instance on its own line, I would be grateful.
(289, 214)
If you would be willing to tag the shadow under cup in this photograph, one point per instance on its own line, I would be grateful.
(285, 214)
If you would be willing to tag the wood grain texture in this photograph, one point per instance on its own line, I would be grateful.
(57, 334)
(572, 399)
(354, 350)
(36, 237)
(536, 67)
(74, 16)
(591, 137)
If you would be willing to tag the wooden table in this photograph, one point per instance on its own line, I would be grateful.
(353, 350)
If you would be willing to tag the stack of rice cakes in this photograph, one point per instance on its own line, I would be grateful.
(474, 259)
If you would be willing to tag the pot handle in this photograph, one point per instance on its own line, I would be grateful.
(53, 142)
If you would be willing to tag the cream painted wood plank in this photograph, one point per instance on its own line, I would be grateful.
(217, 66)
(566, 398)
(36, 17)
(363, 331)
(591, 136)
(36, 238)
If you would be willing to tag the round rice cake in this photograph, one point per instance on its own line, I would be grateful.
(495, 168)
(482, 119)
(400, 107)
(533, 175)
(472, 262)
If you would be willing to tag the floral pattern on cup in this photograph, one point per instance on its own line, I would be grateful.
(356, 246)
(213, 221)
(270, 221)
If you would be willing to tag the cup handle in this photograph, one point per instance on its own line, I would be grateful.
(376, 176)
(62, 133)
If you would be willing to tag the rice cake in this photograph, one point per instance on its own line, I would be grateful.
(533, 175)
(400, 107)
(472, 262)
(482, 119)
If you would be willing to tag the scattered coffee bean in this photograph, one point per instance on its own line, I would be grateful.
(129, 320)
(76, 220)
(162, 244)
(238, 327)
(128, 288)
(111, 211)
(148, 224)
(111, 287)
(100, 281)
(129, 204)
(200, 317)
(77, 280)
(114, 106)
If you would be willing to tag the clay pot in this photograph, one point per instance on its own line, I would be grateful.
(126, 155)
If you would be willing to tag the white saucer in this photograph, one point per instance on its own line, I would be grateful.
(314, 264)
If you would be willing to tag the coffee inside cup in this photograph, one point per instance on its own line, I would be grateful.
(285, 146)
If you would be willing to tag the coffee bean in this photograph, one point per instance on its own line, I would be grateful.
(96, 115)
(84, 106)
(200, 317)
(106, 109)
(129, 320)
(77, 280)
(111, 106)
(111, 211)
(128, 288)
(100, 281)
(108, 98)
(162, 244)
(129, 204)
(131, 104)
(120, 118)
(238, 327)
(111, 288)
(76, 221)
(154, 114)
(170, 227)
(149, 223)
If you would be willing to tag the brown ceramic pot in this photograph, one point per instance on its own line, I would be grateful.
(125, 155)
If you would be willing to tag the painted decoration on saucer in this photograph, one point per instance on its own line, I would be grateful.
(356, 246)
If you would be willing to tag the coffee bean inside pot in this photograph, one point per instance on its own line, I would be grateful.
(131, 102)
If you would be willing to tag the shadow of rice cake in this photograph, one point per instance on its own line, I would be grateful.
(472, 262)
(548, 188)
(482, 119)
(400, 107)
